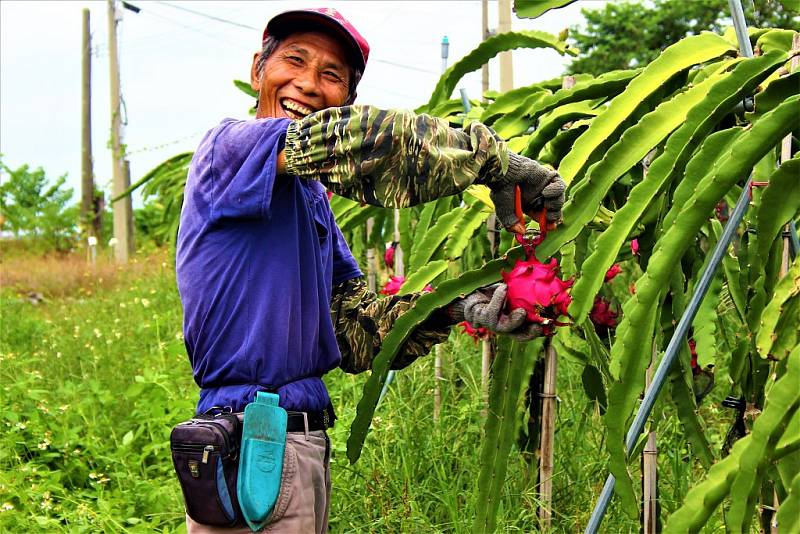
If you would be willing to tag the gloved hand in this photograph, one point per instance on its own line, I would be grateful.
(542, 189)
(485, 308)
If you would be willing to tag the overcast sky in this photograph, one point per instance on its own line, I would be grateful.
(177, 70)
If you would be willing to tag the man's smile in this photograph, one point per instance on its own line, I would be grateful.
(294, 109)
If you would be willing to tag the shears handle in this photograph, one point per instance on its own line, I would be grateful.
(539, 214)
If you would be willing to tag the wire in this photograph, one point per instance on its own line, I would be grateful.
(387, 91)
(206, 15)
(233, 23)
(191, 28)
(401, 65)
(166, 144)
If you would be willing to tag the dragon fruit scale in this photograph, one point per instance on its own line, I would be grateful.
(476, 333)
(537, 288)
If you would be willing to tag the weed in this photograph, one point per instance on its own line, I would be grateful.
(70, 275)
(92, 383)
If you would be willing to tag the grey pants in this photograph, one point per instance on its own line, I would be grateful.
(304, 499)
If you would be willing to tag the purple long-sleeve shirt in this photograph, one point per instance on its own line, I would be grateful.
(258, 256)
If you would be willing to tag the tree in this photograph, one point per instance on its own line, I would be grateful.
(631, 34)
(148, 222)
(33, 208)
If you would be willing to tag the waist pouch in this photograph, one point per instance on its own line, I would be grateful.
(205, 453)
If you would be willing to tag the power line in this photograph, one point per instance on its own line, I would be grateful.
(387, 91)
(206, 15)
(191, 28)
(233, 23)
(404, 66)
(166, 144)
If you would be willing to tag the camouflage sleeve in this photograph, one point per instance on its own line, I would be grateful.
(391, 158)
(362, 320)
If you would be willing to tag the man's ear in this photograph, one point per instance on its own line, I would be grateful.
(255, 79)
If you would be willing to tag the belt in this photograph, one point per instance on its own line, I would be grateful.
(322, 420)
(296, 421)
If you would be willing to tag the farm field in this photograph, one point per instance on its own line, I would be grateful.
(95, 377)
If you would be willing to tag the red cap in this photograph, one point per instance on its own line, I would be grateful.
(287, 22)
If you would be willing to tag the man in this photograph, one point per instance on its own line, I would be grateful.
(272, 297)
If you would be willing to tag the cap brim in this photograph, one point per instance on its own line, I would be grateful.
(289, 22)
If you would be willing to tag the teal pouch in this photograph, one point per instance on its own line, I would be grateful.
(261, 458)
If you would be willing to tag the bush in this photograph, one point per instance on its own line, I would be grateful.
(33, 209)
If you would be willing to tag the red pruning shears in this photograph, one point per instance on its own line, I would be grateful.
(530, 238)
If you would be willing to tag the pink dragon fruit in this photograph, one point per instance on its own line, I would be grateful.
(603, 317)
(721, 211)
(635, 247)
(394, 284)
(388, 256)
(693, 351)
(392, 287)
(536, 288)
(602, 314)
(612, 272)
(702, 377)
(476, 333)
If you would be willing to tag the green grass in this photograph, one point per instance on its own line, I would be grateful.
(92, 384)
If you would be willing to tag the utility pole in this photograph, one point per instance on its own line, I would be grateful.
(88, 216)
(506, 67)
(484, 36)
(123, 209)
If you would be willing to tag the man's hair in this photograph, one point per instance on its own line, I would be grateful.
(271, 44)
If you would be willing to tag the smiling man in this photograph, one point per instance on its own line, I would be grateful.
(273, 299)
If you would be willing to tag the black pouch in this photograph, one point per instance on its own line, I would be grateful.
(205, 453)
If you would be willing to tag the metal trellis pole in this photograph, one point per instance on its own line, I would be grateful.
(679, 336)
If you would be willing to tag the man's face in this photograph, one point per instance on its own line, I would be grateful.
(306, 73)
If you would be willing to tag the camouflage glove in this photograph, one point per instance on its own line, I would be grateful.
(485, 308)
(542, 189)
(391, 158)
(396, 159)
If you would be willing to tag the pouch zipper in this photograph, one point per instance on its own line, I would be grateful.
(221, 429)
(196, 447)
